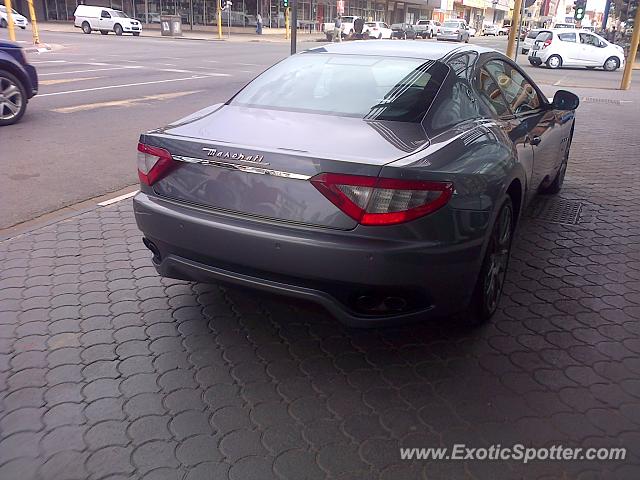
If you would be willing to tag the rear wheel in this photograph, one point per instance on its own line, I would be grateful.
(13, 99)
(117, 29)
(486, 295)
(3, 23)
(430, 35)
(611, 64)
(86, 28)
(554, 61)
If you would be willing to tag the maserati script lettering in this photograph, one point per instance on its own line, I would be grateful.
(213, 152)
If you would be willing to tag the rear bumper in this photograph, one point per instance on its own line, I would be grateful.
(450, 36)
(337, 269)
(537, 61)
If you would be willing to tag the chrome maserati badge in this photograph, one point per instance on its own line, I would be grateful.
(214, 152)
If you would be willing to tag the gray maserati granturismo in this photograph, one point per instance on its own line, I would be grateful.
(383, 180)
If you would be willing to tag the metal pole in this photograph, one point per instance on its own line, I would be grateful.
(34, 23)
(633, 51)
(605, 17)
(513, 31)
(286, 23)
(519, 32)
(10, 25)
(219, 19)
(294, 25)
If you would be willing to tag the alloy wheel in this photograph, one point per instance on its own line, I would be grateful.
(11, 99)
(554, 61)
(498, 259)
(611, 64)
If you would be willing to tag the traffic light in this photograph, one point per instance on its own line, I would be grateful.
(285, 3)
(580, 9)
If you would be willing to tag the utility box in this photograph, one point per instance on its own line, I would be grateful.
(171, 26)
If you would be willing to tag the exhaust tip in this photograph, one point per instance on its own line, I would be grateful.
(157, 256)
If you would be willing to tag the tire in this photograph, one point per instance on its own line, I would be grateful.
(430, 35)
(554, 61)
(3, 23)
(379, 36)
(104, 32)
(136, 34)
(404, 37)
(86, 28)
(117, 29)
(488, 289)
(531, 62)
(23, 28)
(611, 64)
(13, 108)
(557, 183)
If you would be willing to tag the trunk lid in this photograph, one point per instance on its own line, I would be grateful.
(257, 162)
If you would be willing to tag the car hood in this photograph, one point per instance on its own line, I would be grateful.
(306, 134)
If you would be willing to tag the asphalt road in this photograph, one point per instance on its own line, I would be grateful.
(78, 138)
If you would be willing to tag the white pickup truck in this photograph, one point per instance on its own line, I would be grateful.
(347, 27)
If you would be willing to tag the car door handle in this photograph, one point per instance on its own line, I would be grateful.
(534, 140)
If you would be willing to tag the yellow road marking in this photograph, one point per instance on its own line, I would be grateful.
(130, 102)
(65, 80)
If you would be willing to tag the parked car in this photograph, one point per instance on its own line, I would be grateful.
(472, 31)
(378, 30)
(531, 38)
(564, 25)
(427, 28)
(403, 31)
(18, 20)
(105, 20)
(455, 30)
(490, 29)
(504, 29)
(18, 82)
(567, 47)
(413, 217)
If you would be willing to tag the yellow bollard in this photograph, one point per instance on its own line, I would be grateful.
(633, 51)
(286, 23)
(219, 14)
(513, 30)
(10, 25)
(34, 24)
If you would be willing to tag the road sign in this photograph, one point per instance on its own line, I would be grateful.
(340, 6)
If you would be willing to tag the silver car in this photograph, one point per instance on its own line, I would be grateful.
(456, 30)
(383, 180)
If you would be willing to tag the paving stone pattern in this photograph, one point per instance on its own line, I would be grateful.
(109, 372)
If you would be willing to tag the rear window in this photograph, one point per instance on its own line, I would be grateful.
(543, 36)
(452, 24)
(371, 87)
(533, 33)
(397, 26)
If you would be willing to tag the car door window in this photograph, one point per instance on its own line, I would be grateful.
(105, 14)
(567, 37)
(588, 39)
(519, 93)
(491, 95)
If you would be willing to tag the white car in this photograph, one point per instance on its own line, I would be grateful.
(377, 30)
(490, 29)
(347, 27)
(530, 39)
(570, 47)
(105, 20)
(427, 28)
(18, 20)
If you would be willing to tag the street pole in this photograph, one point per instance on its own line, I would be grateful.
(34, 23)
(287, 12)
(10, 25)
(513, 31)
(294, 25)
(605, 17)
(519, 32)
(219, 19)
(633, 51)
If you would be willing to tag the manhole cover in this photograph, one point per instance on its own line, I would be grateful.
(556, 210)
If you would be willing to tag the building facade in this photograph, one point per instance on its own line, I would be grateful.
(311, 13)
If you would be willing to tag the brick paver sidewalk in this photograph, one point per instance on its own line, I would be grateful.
(109, 372)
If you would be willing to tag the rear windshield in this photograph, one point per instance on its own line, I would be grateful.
(452, 24)
(397, 26)
(533, 33)
(543, 36)
(371, 87)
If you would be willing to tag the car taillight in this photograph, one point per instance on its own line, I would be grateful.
(153, 163)
(547, 42)
(382, 201)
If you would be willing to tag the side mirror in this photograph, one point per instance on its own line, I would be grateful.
(564, 100)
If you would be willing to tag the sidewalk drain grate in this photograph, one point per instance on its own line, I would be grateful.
(602, 100)
(556, 210)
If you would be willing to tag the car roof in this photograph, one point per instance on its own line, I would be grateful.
(390, 48)
(569, 30)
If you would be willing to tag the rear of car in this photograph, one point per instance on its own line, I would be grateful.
(455, 30)
(377, 30)
(530, 39)
(327, 216)
(490, 30)
(18, 82)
